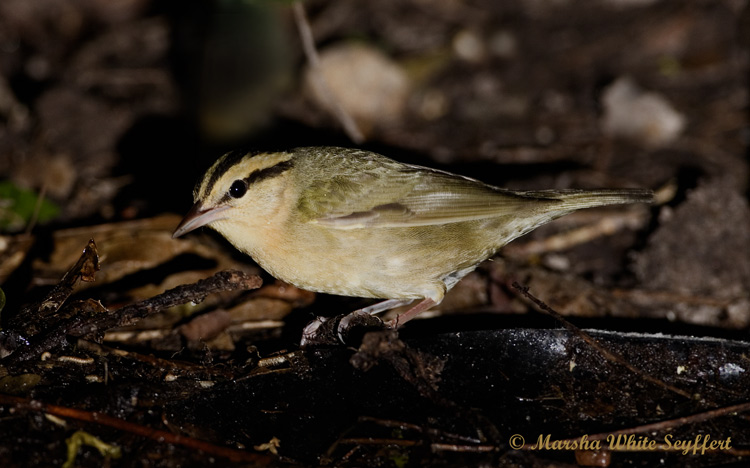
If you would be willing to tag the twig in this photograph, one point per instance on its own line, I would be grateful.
(378, 441)
(165, 365)
(663, 426)
(37, 209)
(227, 280)
(644, 296)
(606, 226)
(28, 320)
(92, 326)
(84, 269)
(672, 423)
(404, 426)
(308, 45)
(463, 448)
(609, 355)
(139, 430)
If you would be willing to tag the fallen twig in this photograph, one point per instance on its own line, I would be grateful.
(605, 226)
(676, 422)
(653, 428)
(83, 325)
(165, 365)
(37, 208)
(609, 355)
(308, 44)
(29, 320)
(139, 430)
(228, 280)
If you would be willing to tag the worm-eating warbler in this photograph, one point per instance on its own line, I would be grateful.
(355, 223)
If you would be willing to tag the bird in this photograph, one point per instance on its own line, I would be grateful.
(351, 222)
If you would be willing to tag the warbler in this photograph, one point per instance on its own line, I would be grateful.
(355, 223)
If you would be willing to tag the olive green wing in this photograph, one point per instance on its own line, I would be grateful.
(404, 196)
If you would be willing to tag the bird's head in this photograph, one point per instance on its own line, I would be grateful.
(239, 191)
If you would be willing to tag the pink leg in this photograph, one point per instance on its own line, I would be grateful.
(369, 310)
(411, 313)
(383, 306)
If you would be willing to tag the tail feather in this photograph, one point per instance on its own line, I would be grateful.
(562, 202)
(578, 199)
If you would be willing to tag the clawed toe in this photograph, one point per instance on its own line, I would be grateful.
(311, 331)
(343, 329)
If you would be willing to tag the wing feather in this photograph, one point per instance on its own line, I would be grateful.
(406, 196)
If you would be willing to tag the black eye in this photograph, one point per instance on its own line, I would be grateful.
(238, 189)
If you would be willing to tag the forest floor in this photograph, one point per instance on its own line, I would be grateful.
(623, 327)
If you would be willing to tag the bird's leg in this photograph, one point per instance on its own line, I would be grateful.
(311, 331)
(411, 313)
(323, 331)
(345, 321)
(314, 332)
(383, 306)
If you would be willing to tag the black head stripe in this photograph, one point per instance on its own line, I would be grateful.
(229, 160)
(222, 166)
(263, 174)
(269, 172)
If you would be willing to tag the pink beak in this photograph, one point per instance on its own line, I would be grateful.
(198, 217)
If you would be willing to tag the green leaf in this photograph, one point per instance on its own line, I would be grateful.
(17, 206)
(80, 438)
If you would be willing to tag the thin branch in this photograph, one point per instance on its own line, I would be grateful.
(29, 320)
(165, 365)
(228, 280)
(37, 210)
(308, 44)
(663, 426)
(139, 430)
(86, 325)
(608, 225)
(609, 355)
(672, 423)
(464, 448)
(644, 296)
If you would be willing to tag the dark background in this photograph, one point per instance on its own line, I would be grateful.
(111, 111)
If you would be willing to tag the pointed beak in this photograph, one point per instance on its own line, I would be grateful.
(198, 217)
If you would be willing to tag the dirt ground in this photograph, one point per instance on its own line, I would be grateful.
(611, 337)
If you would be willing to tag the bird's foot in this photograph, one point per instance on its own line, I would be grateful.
(345, 329)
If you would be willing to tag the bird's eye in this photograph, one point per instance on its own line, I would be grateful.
(238, 189)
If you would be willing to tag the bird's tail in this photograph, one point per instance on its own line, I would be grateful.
(577, 199)
(552, 204)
